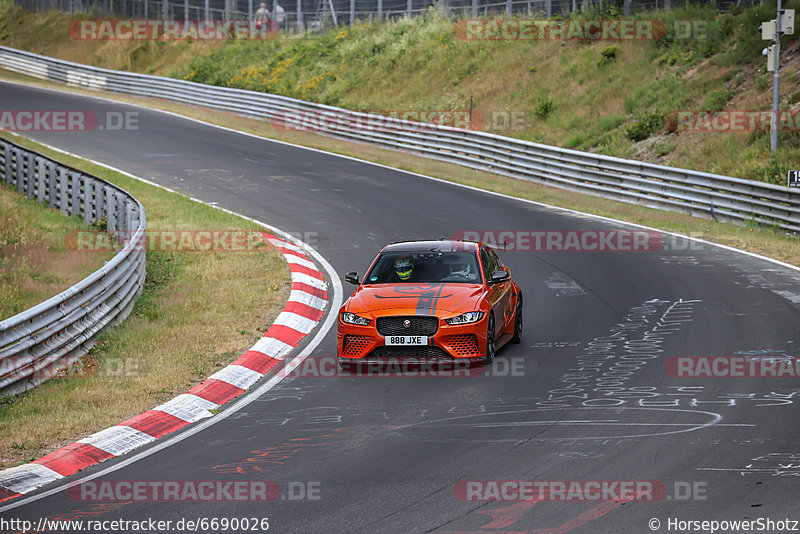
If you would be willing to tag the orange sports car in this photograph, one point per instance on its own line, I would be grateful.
(430, 300)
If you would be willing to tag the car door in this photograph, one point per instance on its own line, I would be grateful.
(506, 302)
(498, 294)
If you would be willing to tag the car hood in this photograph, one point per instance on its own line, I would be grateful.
(415, 299)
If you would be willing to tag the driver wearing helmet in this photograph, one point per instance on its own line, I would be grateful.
(404, 268)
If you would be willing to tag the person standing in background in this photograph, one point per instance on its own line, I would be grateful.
(278, 14)
(262, 17)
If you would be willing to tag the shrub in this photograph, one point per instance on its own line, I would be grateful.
(609, 55)
(716, 100)
(645, 126)
(544, 108)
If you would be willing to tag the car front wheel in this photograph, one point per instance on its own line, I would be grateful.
(490, 347)
(517, 338)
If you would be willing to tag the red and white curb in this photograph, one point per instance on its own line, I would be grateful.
(305, 308)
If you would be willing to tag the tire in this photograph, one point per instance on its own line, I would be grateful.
(517, 338)
(490, 346)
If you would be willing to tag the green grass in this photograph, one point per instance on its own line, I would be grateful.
(36, 262)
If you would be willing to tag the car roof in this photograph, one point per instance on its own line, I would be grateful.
(445, 245)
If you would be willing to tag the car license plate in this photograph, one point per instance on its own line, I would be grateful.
(406, 340)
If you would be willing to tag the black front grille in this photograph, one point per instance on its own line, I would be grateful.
(411, 351)
(420, 325)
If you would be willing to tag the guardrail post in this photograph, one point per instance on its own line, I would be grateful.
(75, 199)
(135, 221)
(41, 183)
(122, 219)
(88, 201)
(99, 201)
(29, 168)
(111, 211)
(8, 173)
(22, 174)
(12, 165)
(52, 188)
(128, 221)
(63, 190)
(4, 146)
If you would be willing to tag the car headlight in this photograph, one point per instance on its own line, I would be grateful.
(465, 318)
(352, 318)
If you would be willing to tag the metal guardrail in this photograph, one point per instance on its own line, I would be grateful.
(697, 193)
(36, 343)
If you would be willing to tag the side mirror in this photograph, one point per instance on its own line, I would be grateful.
(499, 276)
(352, 277)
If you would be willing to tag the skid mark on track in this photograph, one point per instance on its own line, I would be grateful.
(564, 286)
(509, 515)
(266, 458)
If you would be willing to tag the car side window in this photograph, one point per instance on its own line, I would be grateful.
(490, 263)
(487, 265)
(496, 259)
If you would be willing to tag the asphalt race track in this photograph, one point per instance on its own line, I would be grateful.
(587, 396)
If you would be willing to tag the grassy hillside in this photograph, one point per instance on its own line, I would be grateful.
(618, 98)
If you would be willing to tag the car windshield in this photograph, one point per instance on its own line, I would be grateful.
(425, 267)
